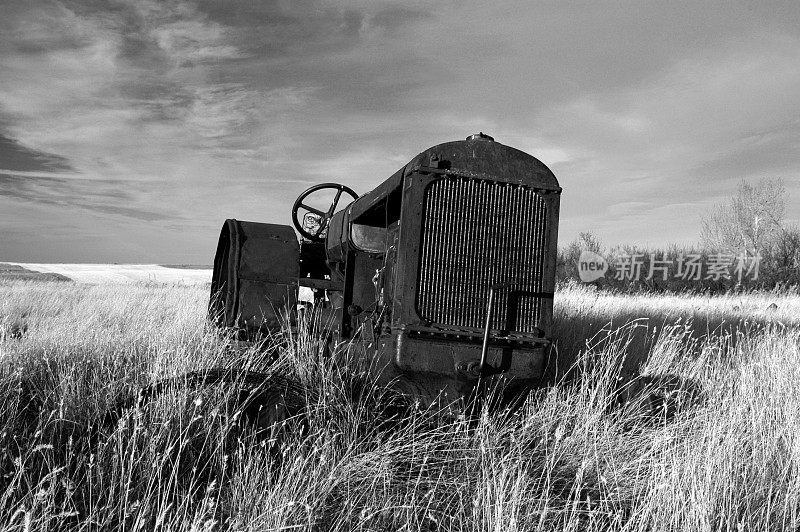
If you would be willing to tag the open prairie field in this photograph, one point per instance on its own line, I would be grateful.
(709, 440)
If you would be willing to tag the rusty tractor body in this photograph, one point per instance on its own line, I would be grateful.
(443, 274)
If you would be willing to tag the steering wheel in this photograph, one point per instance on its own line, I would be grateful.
(323, 216)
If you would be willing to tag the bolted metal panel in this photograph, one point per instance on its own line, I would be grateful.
(477, 234)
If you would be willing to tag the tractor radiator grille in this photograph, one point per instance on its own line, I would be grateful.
(476, 234)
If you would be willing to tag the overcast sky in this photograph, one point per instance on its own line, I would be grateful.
(129, 130)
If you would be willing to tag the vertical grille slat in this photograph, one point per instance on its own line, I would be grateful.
(476, 233)
(470, 303)
(519, 249)
(530, 262)
(449, 273)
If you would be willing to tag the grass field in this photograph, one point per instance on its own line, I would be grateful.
(714, 445)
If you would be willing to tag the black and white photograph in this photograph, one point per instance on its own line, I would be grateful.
(350, 265)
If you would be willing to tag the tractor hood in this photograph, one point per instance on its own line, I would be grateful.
(477, 157)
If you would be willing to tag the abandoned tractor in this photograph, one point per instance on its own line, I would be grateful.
(443, 274)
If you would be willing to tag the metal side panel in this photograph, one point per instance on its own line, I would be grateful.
(262, 304)
(269, 253)
(255, 275)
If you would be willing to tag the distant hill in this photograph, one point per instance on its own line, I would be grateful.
(188, 266)
(14, 272)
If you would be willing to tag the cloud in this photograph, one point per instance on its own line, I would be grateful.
(106, 197)
(16, 157)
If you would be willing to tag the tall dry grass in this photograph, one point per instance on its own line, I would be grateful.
(721, 456)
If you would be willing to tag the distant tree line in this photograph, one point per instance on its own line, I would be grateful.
(746, 244)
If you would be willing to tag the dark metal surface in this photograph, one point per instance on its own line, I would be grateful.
(486, 160)
(256, 269)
